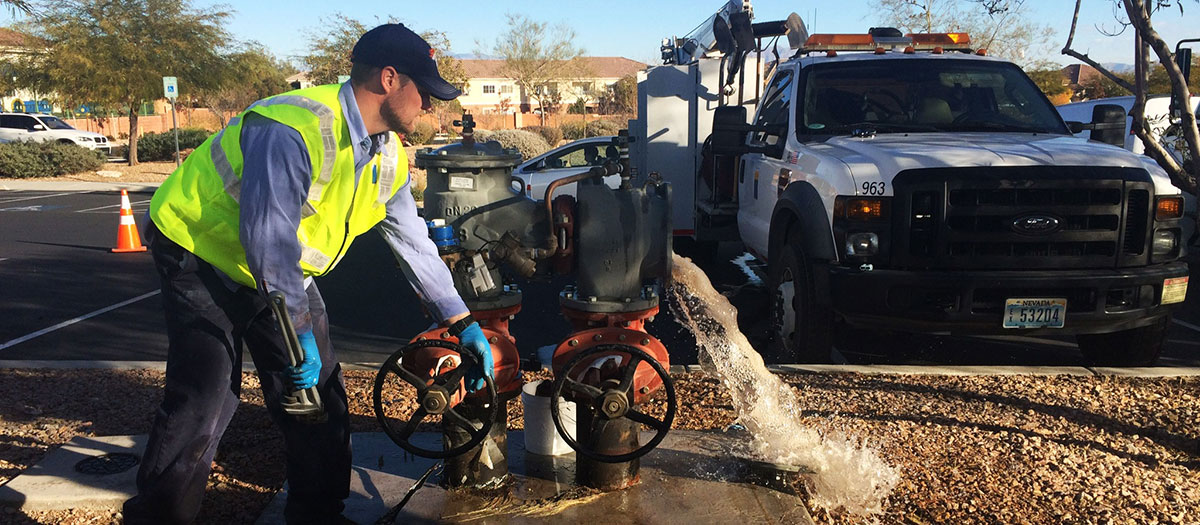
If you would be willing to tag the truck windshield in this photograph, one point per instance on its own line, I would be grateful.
(923, 95)
(55, 123)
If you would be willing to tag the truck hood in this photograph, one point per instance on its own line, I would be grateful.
(881, 157)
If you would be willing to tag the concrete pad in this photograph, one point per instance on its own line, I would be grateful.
(1154, 371)
(382, 474)
(54, 484)
(689, 478)
(972, 370)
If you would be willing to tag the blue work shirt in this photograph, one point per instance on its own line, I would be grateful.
(275, 181)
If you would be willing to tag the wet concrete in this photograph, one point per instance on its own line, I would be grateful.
(690, 478)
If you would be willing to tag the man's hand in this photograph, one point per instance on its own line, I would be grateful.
(309, 372)
(473, 340)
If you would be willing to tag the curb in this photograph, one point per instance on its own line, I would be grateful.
(43, 185)
(926, 370)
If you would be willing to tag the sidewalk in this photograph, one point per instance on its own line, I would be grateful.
(76, 185)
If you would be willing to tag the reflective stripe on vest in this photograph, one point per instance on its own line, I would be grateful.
(324, 115)
(387, 174)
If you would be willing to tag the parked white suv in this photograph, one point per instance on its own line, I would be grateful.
(47, 128)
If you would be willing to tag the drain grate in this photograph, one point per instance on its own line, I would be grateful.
(107, 464)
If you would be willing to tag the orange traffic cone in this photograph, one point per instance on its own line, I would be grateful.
(128, 239)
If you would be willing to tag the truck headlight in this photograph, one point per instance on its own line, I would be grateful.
(862, 244)
(1164, 242)
(85, 139)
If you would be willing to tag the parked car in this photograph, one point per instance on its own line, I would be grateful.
(47, 128)
(568, 159)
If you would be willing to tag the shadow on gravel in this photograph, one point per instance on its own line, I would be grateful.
(1174, 439)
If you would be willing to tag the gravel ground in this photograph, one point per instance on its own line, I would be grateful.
(989, 449)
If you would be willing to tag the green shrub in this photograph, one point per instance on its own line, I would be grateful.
(572, 130)
(529, 144)
(26, 160)
(161, 146)
(598, 128)
(552, 134)
(422, 135)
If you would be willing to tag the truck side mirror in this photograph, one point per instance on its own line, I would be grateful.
(1183, 59)
(1108, 124)
(37, 127)
(1076, 127)
(728, 130)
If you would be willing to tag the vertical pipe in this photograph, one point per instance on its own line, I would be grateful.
(485, 465)
(609, 437)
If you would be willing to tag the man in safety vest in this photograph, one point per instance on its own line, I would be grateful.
(266, 204)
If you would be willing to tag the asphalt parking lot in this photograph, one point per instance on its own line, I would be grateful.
(64, 296)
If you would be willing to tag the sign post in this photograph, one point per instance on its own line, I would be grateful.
(171, 91)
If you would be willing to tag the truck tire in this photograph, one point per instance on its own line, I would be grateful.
(802, 330)
(1134, 347)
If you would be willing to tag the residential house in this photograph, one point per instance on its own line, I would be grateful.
(13, 45)
(488, 90)
(1080, 78)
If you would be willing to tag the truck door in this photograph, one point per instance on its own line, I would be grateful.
(758, 181)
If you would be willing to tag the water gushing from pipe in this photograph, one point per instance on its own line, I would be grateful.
(847, 474)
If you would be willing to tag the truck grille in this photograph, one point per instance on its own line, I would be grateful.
(1031, 217)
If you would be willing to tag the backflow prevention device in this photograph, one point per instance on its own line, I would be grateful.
(616, 243)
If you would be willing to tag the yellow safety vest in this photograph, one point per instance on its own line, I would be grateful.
(197, 206)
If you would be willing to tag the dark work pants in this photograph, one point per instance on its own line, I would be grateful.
(209, 318)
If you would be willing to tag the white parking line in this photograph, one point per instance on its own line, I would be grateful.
(6, 201)
(84, 317)
(117, 205)
(1187, 325)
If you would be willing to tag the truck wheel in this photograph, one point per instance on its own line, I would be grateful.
(1133, 347)
(801, 330)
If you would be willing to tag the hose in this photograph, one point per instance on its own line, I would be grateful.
(609, 168)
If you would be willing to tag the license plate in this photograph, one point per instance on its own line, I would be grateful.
(1035, 313)
(1174, 290)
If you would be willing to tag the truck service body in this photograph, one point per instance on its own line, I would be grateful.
(909, 187)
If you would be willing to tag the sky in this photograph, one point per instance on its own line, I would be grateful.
(635, 29)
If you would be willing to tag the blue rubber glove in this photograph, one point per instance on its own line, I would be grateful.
(309, 371)
(473, 340)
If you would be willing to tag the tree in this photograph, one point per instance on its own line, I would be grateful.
(18, 5)
(621, 97)
(329, 53)
(329, 57)
(115, 52)
(1050, 81)
(1139, 14)
(537, 57)
(1003, 27)
(252, 73)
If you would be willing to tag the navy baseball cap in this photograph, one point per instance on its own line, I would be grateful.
(399, 47)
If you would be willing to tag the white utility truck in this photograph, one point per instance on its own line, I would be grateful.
(909, 183)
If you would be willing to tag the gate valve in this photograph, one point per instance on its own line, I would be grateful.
(611, 398)
(438, 394)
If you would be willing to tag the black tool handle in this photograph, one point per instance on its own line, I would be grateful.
(304, 404)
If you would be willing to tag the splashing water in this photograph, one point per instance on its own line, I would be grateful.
(847, 474)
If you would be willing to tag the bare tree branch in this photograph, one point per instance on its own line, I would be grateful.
(1082, 57)
(1152, 39)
